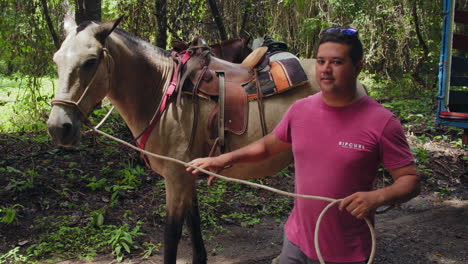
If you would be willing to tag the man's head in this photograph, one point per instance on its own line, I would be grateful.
(339, 61)
(347, 36)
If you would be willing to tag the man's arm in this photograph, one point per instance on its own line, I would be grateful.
(259, 150)
(405, 186)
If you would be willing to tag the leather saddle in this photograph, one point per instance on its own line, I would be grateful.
(221, 81)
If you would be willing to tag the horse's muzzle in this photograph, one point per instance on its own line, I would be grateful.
(64, 126)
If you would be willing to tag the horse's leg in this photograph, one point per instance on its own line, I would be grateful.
(179, 205)
(172, 233)
(193, 225)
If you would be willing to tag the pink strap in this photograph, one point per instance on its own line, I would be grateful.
(167, 95)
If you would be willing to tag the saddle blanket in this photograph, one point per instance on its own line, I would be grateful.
(281, 76)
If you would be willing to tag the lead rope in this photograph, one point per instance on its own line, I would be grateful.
(331, 201)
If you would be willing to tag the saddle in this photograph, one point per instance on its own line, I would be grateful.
(227, 84)
(222, 81)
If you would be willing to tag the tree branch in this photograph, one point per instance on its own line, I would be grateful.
(218, 19)
(161, 20)
(50, 25)
(422, 44)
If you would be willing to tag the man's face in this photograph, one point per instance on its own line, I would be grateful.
(335, 71)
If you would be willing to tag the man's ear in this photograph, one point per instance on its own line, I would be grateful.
(69, 24)
(359, 66)
(106, 28)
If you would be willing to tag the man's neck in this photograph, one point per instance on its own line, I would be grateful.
(340, 100)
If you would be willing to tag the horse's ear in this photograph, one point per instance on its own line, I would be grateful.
(106, 28)
(198, 41)
(69, 24)
(179, 45)
(248, 41)
(202, 42)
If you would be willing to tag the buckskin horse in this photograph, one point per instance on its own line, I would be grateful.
(98, 60)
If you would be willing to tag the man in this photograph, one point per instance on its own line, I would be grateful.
(338, 138)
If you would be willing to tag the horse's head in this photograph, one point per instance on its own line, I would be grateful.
(84, 67)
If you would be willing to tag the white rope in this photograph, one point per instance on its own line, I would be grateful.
(332, 201)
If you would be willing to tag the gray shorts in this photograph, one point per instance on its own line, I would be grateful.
(292, 254)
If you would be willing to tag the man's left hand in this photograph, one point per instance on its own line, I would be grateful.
(360, 204)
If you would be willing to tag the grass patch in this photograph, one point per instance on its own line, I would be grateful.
(24, 103)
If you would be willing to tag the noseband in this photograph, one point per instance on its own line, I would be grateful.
(84, 115)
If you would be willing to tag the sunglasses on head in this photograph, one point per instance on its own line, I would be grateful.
(342, 30)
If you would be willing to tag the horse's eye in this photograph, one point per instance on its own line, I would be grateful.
(89, 64)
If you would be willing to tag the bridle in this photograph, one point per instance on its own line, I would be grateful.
(84, 115)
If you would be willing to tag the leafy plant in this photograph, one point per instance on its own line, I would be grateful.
(149, 249)
(444, 191)
(116, 189)
(13, 256)
(23, 184)
(122, 239)
(97, 184)
(64, 239)
(245, 219)
(129, 175)
(421, 154)
(97, 217)
(9, 214)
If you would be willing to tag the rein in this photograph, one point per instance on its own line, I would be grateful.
(84, 115)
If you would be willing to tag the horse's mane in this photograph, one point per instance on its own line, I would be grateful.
(138, 44)
(135, 43)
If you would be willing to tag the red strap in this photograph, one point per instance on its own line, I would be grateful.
(453, 115)
(141, 143)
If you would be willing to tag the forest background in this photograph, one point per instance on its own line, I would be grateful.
(402, 47)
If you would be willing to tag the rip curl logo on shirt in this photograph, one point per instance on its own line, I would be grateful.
(350, 145)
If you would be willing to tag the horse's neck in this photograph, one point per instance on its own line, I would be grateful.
(137, 83)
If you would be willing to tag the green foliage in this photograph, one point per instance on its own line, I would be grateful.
(416, 111)
(123, 239)
(8, 215)
(116, 189)
(420, 154)
(24, 109)
(444, 191)
(245, 219)
(149, 249)
(97, 184)
(129, 175)
(63, 239)
(14, 256)
(23, 182)
(97, 217)
(210, 201)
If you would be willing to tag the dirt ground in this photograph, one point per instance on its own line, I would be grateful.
(424, 230)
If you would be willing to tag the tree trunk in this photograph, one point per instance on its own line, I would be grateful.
(87, 10)
(161, 20)
(50, 25)
(422, 44)
(218, 19)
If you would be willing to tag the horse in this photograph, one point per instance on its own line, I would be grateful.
(232, 50)
(96, 60)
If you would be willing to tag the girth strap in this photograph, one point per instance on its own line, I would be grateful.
(261, 110)
(221, 101)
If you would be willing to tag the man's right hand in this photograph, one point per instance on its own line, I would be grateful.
(213, 164)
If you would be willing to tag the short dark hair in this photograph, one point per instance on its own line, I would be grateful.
(336, 35)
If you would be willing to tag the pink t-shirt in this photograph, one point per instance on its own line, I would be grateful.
(337, 151)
